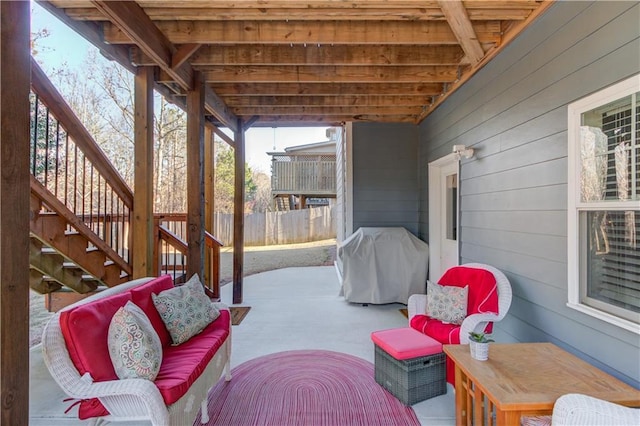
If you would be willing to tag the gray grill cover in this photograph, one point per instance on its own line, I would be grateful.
(382, 265)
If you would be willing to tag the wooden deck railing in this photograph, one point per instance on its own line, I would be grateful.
(67, 161)
(303, 174)
(172, 251)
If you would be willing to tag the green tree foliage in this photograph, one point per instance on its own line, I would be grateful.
(224, 179)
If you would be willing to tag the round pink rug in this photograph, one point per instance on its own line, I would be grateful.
(314, 388)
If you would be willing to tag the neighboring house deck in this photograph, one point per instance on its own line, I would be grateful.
(303, 172)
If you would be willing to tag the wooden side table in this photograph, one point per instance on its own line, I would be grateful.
(526, 378)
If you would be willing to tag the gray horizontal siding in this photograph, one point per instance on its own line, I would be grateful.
(514, 191)
(385, 177)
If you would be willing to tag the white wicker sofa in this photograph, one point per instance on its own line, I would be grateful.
(205, 356)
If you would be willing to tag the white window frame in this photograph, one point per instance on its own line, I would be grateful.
(574, 206)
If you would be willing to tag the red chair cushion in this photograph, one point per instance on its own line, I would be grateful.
(183, 364)
(483, 289)
(85, 329)
(141, 296)
(483, 298)
(445, 333)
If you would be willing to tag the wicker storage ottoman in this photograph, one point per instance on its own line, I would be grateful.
(419, 374)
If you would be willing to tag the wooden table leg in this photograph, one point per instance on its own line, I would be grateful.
(461, 398)
(478, 407)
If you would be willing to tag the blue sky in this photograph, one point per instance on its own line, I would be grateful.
(65, 47)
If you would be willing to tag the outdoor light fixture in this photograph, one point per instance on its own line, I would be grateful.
(462, 151)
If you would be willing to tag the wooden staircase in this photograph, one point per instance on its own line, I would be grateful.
(65, 254)
(81, 211)
(282, 203)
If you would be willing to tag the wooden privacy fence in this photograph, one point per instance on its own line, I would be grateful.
(287, 227)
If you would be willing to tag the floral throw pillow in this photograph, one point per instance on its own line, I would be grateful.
(134, 346)
(185, 310)
(447, 303)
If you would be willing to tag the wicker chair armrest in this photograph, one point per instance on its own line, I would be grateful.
(476, 323)
(583, 410)
(417, 305)
(128, 398)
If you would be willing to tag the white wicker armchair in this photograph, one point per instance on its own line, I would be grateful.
(417, 304)
(582, 410)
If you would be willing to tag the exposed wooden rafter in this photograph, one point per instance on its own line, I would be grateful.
(461, 26)
(306, 62)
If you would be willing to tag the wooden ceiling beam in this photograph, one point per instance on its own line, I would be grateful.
(336, 100)
(307, 89)
(328, 110)
(313, 55)
(306, 32)
(329, 120)
(216, 13)
(92, 33)
(461, 26)
(328, 74)
(131, 19)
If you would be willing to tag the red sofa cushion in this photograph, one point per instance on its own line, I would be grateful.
(183, 364)
(141, 296)
(85, 329)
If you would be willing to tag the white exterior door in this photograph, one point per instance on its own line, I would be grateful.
(443, 215)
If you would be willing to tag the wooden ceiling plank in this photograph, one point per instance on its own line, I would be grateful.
(329, 74)
(330, 110)
(314, 55)
(322, 55)
(329, 100)
(461, 26)
(316, 32)
(302, 14)
(329, 120)
(306, 89)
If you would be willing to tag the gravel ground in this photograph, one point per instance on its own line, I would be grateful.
(256, 260)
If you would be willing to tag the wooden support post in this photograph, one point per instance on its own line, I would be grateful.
(238, 214)
(143, 226)
(209, 197)
(15, 71)
(195, 177)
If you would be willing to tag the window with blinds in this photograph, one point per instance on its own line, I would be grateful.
(608, 206)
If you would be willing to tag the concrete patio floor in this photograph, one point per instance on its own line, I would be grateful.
(291, 308)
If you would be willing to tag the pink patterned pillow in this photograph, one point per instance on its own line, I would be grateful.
(134, 345)
(447, 303)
